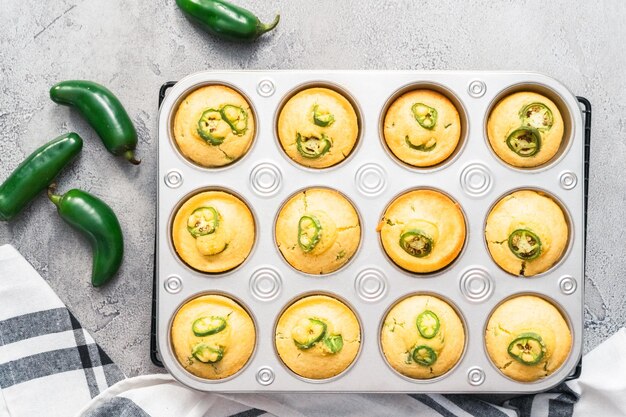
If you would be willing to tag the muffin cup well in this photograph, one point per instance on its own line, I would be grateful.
(564, 109)
(235, 299)
(568, 221)
(456, 310)
(339, 90)
(552, 302)
(174, 109)
(303, 296)
(454, 99)
(182, 201)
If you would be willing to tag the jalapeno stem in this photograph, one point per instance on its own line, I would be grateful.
(416, 243)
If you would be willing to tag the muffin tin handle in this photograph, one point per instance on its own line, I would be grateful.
(587, 134)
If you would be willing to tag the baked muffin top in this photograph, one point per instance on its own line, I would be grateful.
(214, 126)
(422, 337)
(318, 337)
(422, 128)
(422, 230)
(213, 231)
(212, 336)
(318, 127)
(527, 338)
(317, 231)
(526, 233)
(525, 129)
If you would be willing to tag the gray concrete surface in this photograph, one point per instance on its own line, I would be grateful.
(134, 46)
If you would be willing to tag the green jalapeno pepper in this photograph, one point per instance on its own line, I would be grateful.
(236, 117)
(424, 147)
(36, 172)
(537, 115)
(203, 221)
(95, 219)
(226, 20)
(527, 348)
(322, 118)
(309, 232)
(207, 127)
(206, 326)
(524, 141)
(313, 147)
(104, 113)
(207, 354)
(427, 324)
(424, 355)
(308, 332)
(425, 115)
(334, 343)
(525, 244)
(416, 243)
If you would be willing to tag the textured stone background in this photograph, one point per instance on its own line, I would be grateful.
(134, 46)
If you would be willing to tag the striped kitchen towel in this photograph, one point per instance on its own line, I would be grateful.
(50, 366)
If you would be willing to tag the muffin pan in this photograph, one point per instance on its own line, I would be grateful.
(371, 177)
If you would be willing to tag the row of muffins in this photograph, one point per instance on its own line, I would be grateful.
(421, 337)
(318, 230)
(318, 127)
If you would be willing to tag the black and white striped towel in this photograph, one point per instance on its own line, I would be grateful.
(50, 366)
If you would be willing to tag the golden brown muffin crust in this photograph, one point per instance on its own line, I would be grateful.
(237, 339)
(400, 336)
(317, 362)
(401, 130)
(197, 149)
(527, 315)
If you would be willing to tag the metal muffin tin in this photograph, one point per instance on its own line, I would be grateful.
(371, 178)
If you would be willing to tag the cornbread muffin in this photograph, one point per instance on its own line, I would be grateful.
(318, 337)
(213, 231)
(526, 233)
(212, 336)
(214, 126)
(317, 231)
(422, 231)
(318, 127)
(525, 129)
(422, 128)
(422, 337)
(527, 338)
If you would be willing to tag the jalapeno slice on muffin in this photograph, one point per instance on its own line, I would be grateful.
(206, 326)
(424, 355)
(309, 232)
(236, 117)
(425, 115)
(313, 147)
(525, 244)
(416, 243)
(209, 127)
(527, 348)
(537, 115)
(524, 141)
(207, 354)
(427, 146)
(427, 324)
(308, 332)
(334, 343)
(203, 221)
(322, 118)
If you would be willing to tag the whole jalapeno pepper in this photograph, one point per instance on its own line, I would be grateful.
(96, 220)
(226, 20)
(104, 113)
(37, 172)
